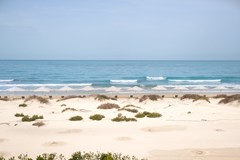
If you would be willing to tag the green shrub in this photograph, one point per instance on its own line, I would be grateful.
(69, 109)
(27, 118)
(121, 118)
(97, 117)
(19, 115)
(77, 156)
(108, 106)
(76, 118)
(153, 115)
(140, 115)
(148, 114)
(106, 156)
(22, 105)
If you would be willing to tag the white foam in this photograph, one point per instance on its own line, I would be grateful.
(6, 80)
(42, 89)
(195, 81)
(159, 88)
(113, 89)
(42, 85)
(123, 81)
(135, 88)
(155, 78)
(15, 89)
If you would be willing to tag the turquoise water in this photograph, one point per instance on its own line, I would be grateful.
(99, 75)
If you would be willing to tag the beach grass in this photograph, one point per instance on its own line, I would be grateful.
(195, 97)
(108, 106)
(69, 109)
(103, 98)
(151, 97)
(121, 118)
(38, 98)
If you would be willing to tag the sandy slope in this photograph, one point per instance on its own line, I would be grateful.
(187, 130)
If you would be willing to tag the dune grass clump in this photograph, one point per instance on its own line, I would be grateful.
(103, 98)
(229, 99)
(19, 115)
(69, 109)
(154, 115)
(69, 97)
(220, 96)
(38, 98)
(22, 105)
(148, 114)
(150, 97)
(97, 117)
(195, 97)
(63, 105)
(27, 118)
(76, 118)
(4, 99)
(108, 106)
(121, 118)
(129, 108)
(38, 124)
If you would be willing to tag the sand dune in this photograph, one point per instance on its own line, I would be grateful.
(186, 130)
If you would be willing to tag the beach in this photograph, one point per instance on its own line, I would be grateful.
(185, 129)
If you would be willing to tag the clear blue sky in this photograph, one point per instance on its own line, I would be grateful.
(120, 29)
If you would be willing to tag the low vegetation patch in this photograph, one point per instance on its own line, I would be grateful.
(229, 99)
(27, 118)
(108, 106)
(76, 156)
(195, 97)
(19, 115)
(153, 115)
(63, 105)
(4, 99)
(76, 118)
(221, 96)
(150, 97)
(104, 97)
(69, 109)
(22, 105)
(69, 97)
(97, 117)
(38, 98)
(148, 114)
(129, 108)
(121, 118)
(38, 124)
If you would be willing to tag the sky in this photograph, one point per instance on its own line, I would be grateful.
(120, 29)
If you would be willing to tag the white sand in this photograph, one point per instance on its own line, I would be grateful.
(211, 131)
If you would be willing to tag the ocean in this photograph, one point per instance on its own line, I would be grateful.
(79, 76)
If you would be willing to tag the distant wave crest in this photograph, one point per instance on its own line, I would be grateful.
(155, 78)
(49, 85)
(195, 81)
(6, 80)
(123, 81)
